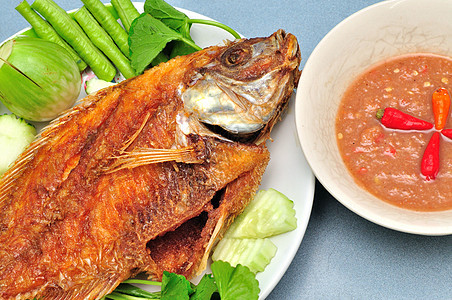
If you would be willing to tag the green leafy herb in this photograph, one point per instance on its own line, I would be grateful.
(230, 283)
(178, 20)
(205, 289)
(175, 287)
(235, 283)
(175, 20)
(148, 37)
(163, 29)
(170, 16)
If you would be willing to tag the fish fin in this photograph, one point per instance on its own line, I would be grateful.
(135, 135)
(8, 178)
(6, 182)
(145, 156)
(219, 227)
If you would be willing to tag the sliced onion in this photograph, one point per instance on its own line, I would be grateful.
(38, 78)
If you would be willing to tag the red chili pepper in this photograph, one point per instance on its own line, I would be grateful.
(441, 104)
(447, 133)
(395, 119)
(430, 159)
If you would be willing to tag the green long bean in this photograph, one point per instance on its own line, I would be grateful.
(71, 32)
(45, 31)
(109, 23)
(127, 12)
(103, 41)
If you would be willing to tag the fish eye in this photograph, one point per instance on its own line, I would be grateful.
(236, 56)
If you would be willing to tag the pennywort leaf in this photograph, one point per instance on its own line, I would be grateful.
(148, 37)
(230, 283)
(175, 20)
(170, 16)
(175, 286)
(235, 283)
(205, 288)
(161, 32)
(180, 48)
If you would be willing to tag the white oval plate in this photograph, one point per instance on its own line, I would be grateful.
(287, 171)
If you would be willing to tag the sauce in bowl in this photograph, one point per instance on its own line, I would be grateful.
(387, 162)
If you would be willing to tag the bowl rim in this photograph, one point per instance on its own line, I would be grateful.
(337, 192)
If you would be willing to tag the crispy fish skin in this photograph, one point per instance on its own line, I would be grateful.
(69, 229)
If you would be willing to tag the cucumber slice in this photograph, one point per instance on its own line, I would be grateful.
(95, 84)
(268, 214)
(15, 135)
(255, 254)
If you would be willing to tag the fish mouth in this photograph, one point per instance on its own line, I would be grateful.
(245, 138)
(292, 44)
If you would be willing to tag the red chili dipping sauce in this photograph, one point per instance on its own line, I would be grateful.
(385, 161)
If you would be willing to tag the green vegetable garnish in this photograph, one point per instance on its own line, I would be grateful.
(103, 41)
(15, 135)
(38, 78)
(175, 286)
(109, 23)
(230, 283)
(127, 12)
(128, 289)
(45, 31)
(246, 241)
(177, 20)
(235, 283)
(148, 37)
(163, 29)
(205, 288)
(270, 213)
(71, 32)
(255, 253)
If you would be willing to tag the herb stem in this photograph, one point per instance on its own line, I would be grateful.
(142, 281)
(119, 296)
(191, 43)
(217, 24)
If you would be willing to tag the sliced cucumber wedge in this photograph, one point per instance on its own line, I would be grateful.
(268, 214)
(15, 135)
(246, 241)
(255, 254)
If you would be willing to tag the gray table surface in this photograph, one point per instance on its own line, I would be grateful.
(342, 255)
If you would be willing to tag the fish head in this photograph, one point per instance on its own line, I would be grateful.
(243, 89)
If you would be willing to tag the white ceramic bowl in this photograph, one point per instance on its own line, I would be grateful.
(377, 32)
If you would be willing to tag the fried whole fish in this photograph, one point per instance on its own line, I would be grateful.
(146, 175)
